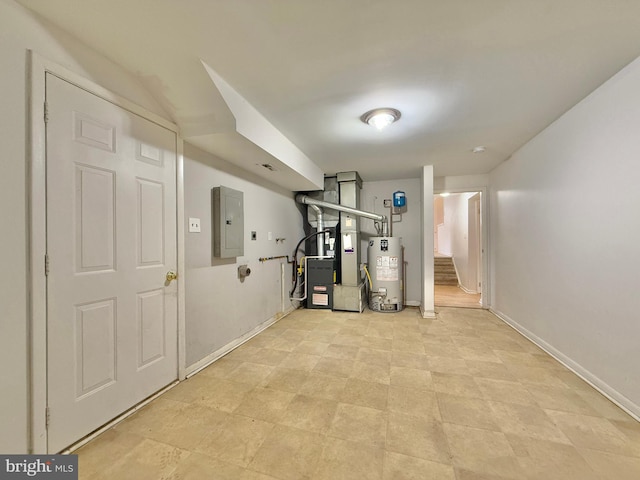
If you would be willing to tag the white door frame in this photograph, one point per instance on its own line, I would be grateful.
(37, 394)
(484, 252)
(478, 224)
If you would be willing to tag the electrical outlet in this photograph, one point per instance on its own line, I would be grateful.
(194, 225)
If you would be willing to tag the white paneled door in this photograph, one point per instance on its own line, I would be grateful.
(111, 241)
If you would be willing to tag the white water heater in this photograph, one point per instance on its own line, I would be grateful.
(385, 265)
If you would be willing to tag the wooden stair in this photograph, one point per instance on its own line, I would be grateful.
(444, 271)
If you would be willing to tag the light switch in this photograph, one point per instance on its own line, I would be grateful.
(194, 225)
(270, 236)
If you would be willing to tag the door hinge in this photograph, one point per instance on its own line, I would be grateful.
(47, 416)
(46, 112)
(46, 265)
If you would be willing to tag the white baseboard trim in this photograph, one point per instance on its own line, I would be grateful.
(427, 313)
(212, 357)
(466, 290)
(616, 397)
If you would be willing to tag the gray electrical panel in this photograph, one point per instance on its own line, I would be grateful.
(228, 222)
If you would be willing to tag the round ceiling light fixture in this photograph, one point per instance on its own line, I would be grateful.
(381, 117)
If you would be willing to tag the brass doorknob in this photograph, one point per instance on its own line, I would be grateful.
(171, 275)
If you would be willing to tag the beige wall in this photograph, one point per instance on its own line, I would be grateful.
(564, 268)
(219, 307)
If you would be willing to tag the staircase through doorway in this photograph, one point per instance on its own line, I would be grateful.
(447, 290)
(444, 271)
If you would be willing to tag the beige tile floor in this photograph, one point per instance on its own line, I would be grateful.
(326, 395)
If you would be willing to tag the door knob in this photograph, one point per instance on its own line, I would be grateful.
(171, 275)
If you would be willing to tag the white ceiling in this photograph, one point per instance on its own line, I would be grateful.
(463, 72)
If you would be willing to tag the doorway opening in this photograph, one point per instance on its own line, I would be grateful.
(458, 249)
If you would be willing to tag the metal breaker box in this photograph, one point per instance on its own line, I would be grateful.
(228, 222)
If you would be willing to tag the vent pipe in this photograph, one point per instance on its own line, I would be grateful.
(319, 228)
(302, 198)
